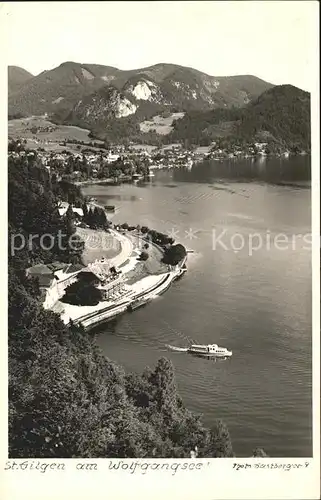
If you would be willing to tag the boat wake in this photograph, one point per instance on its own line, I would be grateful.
(178, 349)
(181, 335)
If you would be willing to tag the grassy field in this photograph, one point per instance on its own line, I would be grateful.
(145, 147)
(48, 135)
(149, 267)
(159, 124)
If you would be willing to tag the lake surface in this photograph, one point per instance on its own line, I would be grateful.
(258, 305)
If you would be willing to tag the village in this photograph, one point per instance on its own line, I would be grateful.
(116, 164)
(133, 163)
(73, 154)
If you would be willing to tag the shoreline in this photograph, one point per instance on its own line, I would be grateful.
(112, 182)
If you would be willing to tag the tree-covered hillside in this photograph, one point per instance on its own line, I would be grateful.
(282, 114)
(202, 127)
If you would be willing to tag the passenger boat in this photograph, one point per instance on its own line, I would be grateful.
(209, 350)
(138, 303)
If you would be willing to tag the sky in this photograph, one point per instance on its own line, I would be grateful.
(275, 41)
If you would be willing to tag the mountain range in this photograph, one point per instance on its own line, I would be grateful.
(113, 103)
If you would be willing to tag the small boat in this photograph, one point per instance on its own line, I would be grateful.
(180, 273)
(209, 350)
(137, 177)
(138, 303)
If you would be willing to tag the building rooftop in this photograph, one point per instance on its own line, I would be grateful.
(39, 269)
(45, 281)
(56, 266)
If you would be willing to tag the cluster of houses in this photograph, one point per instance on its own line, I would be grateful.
(132, 163)
(237, 151)
(89, 163)
(167, 157)
(257, 149)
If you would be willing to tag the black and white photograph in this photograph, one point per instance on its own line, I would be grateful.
(162, 209)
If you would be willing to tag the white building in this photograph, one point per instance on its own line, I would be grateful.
(112, 157)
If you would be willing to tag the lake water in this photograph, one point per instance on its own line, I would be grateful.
(258, 305)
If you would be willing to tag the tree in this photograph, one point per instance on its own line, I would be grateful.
(174, 254)
(72, 245)
(103, 219)
(90, 218)
(70, 165)
(143, 256)
(220, 441)
(85, 211)
(69, 217)
(259, 452)
(98, 217)
(81, 293)
(163, 379)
